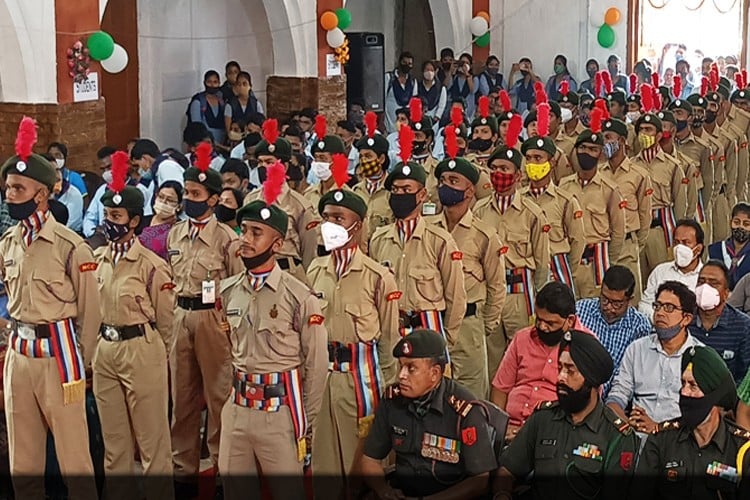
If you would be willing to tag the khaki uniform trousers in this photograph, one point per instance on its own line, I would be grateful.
(130, 384)
(630, 258)
(515, 316)
(656, 251)
(200, 364)
(33, 404)
(584, 278)
(469, 356)
(722, 227)
(248, 435)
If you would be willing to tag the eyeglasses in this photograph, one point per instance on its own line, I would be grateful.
(668, 308)
(617, 304)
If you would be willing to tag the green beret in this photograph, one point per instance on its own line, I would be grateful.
(617, 96)
(713, 97)
(723, 91)
(271, 216)
(530, 118)
(724, 82)
(505, 117)
(741, 95)
(589, 137)
(541, 143)
(377, 143)
(281, 149)
(585, 96)
(505, 153)
(681, 104)
(615, 125)
(210, 179)
(648, 118)
(424, 125)
(490, 121)
(635, 98)
(420, 344)
(460, 166)
(130, 198)
(697, 100)
(35, 167)
(344, 198)
(711, 374)
(666, 116)
(571, 98)
(330, 144)
(554, 108)
(589, 356)
(410, 170)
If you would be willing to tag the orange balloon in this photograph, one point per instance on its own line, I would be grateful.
(484, 14)
(328, 20)
(612, 16)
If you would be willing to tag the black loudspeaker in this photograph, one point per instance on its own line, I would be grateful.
(365, 71)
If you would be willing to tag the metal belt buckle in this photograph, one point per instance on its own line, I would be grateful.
(26, 332)
(111, 334)
(254, 392)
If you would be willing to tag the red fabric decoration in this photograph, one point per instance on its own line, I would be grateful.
(405, 140)
(565, 88)
(505, 101)
(596, 120)
(120, 166)
(633, 83)
(704, 86)
(602, 105)
(451, 144)
(541, 95)
(457, 116)
(484, 106)
(542, 119)
(415, 109)
(607, 79)
(598, 84)
(203, 156)
(677, 86)
(738, 80)
(371, 122)
(655, 80)
(744, 78)
(321, 127)
(647, 97)
(26, 137)
(514, 131)
(275, 179)
(340, 169)
(270, 130)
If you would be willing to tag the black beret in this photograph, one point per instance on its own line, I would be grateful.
(530, 118)
(589, 356)
(571, 97)
(585, 96)
(666, 116)
(210, 179)
(741, 95)
(490, 121)
(281, 149)
(35, 167)
(697, 100)
(541, 143)
(410, 170)
(723, 91)
(377, 143)
(344, 198)
(329, 144)
(589, 137)
(423, 125)
(505, 117)
(460, 166)
(508, 154)
(713, 97)
(648, 118)
(130, 198)
(635, 98)
(271, 216)
(681, 104)
(554, 108)
(420, 344)
(617, 96)
(711, 374)
(615, 125)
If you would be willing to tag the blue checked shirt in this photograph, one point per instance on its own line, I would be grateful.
(615, 337)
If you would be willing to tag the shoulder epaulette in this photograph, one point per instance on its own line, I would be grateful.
(736, 430)
(546, 405)
(461, 406)
(230, 281)
(392, 392)
(623, 426)
(669, 425)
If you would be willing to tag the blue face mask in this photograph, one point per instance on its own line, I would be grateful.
(611, 149)
(449, 196)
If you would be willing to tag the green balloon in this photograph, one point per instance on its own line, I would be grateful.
(101, 45)
(606, 36)
(483, 40)
(345, 18)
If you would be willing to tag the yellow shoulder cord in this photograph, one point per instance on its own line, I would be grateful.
(741, 457)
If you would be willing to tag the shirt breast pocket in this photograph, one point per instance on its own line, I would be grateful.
(208, 267)
(280, 337)
(54, 284)
(365, 320)
(427, 283)
(545, 458)
(520, 243)
(599, 219)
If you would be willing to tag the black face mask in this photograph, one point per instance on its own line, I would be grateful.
(694, 410)
(196, 209)
(586, 161)
(740, 235)
(419, 147)
(404, 69)
(573, 401)
(551, 338)
(225, 214)
(697, 122)
(710, 117)
(449, 196)
(22, 211)
(480, 144)
(212, 90)
(681, 125)
(402, 205)
(261, 258)
(114, 231)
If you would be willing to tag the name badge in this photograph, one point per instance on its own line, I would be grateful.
(429, 209)
(234, 312)
(170, 253)
(208, 292)
(9, 262)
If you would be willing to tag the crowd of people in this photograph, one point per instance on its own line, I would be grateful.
(495, 289)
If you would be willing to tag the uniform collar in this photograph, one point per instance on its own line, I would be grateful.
(356, 263)
(438, 398)
(272, 281)
(418, 230)
(719, 438)
(624, 166)
(593, 420)
(464, 221)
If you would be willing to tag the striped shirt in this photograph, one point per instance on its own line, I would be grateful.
(730, 337)
(406, 228)
(120, 249)
(33, 225)
(342, 258)
(503, 202)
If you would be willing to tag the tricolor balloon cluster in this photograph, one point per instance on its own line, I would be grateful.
(113, 57)
(606, 34)
(480, 28)
(335, 22)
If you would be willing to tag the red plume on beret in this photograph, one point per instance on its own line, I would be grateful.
(738, 80)
(565, 88)
(647, 97)
(542, 119)
(713, 79)
(270, 130)
(275, 179)
(26, 137)
(596, 120)
(203, 156)
(415, 109)
(514, 131)
(598, 84)
(321, 126)
(405, 140)
(484, 106)
(602, 105)
(655, 80)
(744, 78)
(505, 101)
(371, 122)
(340, 169)
(120, 166)
(451, 142)
(457, 116)
(607, 79)
(657, 100)
(540, 94)
(633, 83)
(704, 86)
(677, 86)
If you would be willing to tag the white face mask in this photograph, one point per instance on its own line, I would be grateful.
(565, 115)
(429, 75)
(321, 169)
(683, 255)
(60, 162)
(164, 209)
(707, 297)
(334, 236)
(107, 177)
(632, 116)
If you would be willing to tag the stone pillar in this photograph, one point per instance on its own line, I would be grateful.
(287, 94)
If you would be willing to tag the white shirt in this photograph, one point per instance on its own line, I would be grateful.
(668, 271)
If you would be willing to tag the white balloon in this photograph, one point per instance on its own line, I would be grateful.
(117, 61)
(335, 38)
(478, 26)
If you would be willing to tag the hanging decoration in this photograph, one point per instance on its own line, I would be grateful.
(79, 60)
(342, 52)
(479, 26)
(335, 22)
(101, 45)
(605, 34)
(117, 61)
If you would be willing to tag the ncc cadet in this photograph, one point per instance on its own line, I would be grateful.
(130, 368)
(603, 216)
(372, 171)
(702, 454)
(689, 166)
(699, 151)
(424, 136)
(441, 438)
(278, 359)
(424, 258)
(617, 108)
(576, 447)
(571, 127)
(739, 137)
(669, 200)
(301, 244)
(559, 164)
(562, 210)
(483, 267)
(728, 142)
(359, 300)
(49, 277)
(523, 231)
(738, 114)
(322, 149)
(483, 187)
(634, 185)
(202, 251)
(483, 134)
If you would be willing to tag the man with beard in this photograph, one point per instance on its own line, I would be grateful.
(576, 447)
(702, 454)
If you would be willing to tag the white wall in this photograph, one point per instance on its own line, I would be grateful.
(27, 51)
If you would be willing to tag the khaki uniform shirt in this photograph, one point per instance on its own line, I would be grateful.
(52, 280)
(567, 142)
(137, 290)
(379, 212)
(362, 306)
(635, 188)
(699, 152)
(524, 232)
(428, 270)
(695, 182)
(728, 158)
(483, 266)
(315, 192)
(276, 329)
(603, 214)
(718, 159)
(668, 181)
(212, 256)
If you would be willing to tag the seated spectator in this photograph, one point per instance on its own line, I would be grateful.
(207, 107)
(68, 195)
(522, 91)
(732, 252)
(464, 83)
(740, 296)
(562, 74)
(231, 71)
(243, 105)
(688, 249)
(649, 376)
(528, 371)
(611, 317)
(167, 208)
(235, 175)
(152, 165)
(60, 152)
(718, 324)
(592, 68)
(226, 210)
(195, 134)
(490, 78)
(431, 91)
